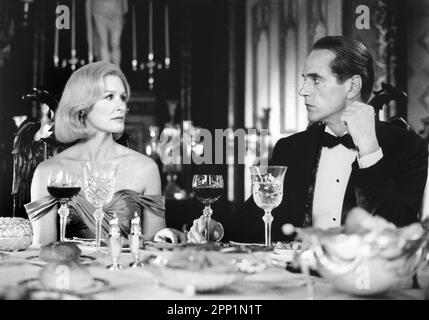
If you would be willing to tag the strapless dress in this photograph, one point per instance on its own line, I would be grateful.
(81, 222)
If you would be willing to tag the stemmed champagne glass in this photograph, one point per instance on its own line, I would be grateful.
(208, 188)
(267, 186)
(63, 186)
(99, 186)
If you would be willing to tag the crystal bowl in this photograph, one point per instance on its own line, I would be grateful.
(194, 271)
(367, 273)
(368, 256)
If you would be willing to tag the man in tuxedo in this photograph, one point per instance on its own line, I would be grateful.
(345, 158)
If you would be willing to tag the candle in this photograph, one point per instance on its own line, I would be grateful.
(167, 38)
(89, 31)
(135, 224)
(56, 38)
(73, 60)
(73, 31)
(134, 62)
(150, 30)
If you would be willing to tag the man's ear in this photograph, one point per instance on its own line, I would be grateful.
(353, 87)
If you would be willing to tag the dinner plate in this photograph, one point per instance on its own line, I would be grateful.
(283, 255)
(87, 241)
(211, 246)
(98, 286)
(22, 292)
(89, 244)
(290, 245)
(251, 244)
(193, 281)
(36, 294)
(83, 259)
(252, 247)
(286, 252)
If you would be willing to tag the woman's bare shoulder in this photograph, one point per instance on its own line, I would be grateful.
(139, 161)
(63, 160)
(50, 164)
(134, 158)
(139, 172)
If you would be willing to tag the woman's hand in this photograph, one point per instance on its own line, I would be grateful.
(170, 235)
(196, 233)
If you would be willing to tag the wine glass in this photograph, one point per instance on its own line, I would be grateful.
(63, 186)
(99, 186)
(207, 188)
(267, 186)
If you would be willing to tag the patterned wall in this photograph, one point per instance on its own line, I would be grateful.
(383, 40)
(418, 62)
(279, 35)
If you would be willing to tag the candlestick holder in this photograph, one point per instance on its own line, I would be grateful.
(151, 146)
(135, 237)
(115, 243)
(151, 64)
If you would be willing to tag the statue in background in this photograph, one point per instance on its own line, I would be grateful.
(108, 19)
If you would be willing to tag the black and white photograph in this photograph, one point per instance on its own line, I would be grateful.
(214, 158)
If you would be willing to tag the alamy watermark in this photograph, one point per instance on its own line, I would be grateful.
(63, 17)
(363, 20)
(362, 281)
(62, 280)
(227, 146)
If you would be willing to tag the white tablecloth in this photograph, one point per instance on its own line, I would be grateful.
(273, 283)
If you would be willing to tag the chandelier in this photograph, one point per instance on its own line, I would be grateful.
(150, 64)
(142, 35)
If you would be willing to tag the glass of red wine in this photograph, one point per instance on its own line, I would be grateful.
(63, 186)
(208, 189)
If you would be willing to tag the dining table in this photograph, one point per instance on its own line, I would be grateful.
(269, 282)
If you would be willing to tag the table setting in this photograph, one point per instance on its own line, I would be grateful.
(367, 258)
(193, 272)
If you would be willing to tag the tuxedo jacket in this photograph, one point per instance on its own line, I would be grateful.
(392, 188)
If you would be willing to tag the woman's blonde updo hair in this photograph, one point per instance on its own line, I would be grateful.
(84, 88)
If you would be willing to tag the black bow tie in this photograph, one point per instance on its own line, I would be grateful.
(328, 140)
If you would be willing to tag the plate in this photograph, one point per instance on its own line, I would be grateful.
(291, 245)
(83, 259)
(22, 292)
(167, 246)
(89, 244)
(193, 270)
(252, 247)
(192, 281)
(87, 241)
(98, 286)
(283, 255)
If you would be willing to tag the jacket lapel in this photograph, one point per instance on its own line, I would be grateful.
(307, 166)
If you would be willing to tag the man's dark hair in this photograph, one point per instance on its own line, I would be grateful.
(351, 58)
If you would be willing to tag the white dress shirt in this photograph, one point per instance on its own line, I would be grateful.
(333, 173)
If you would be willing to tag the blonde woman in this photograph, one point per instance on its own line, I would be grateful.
(90, 115)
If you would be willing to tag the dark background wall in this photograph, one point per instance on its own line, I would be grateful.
(199, 77)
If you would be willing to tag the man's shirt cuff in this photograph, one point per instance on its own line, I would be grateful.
(370, 159)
